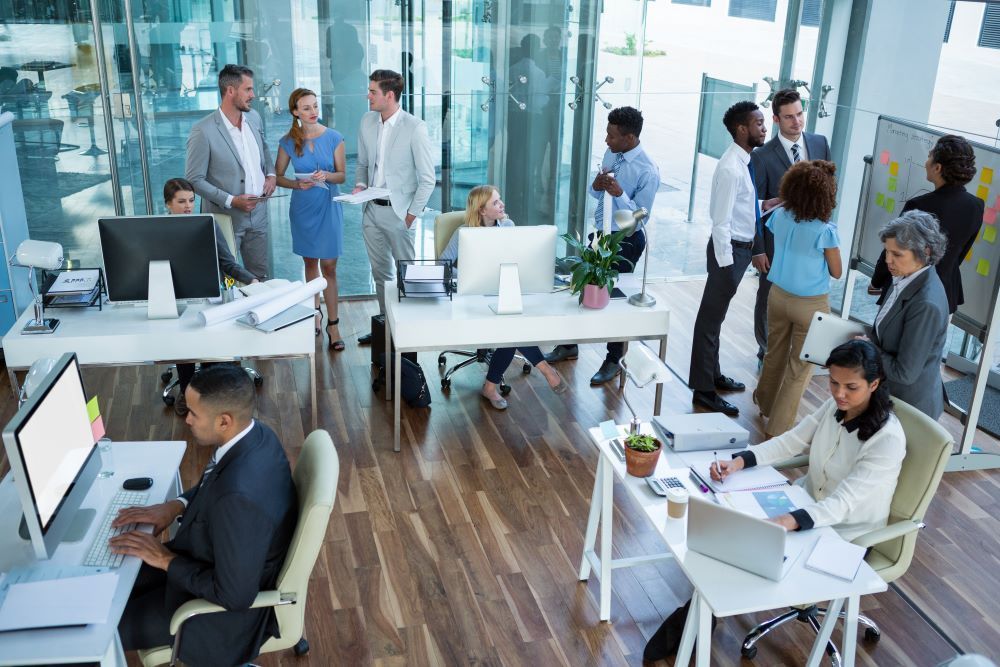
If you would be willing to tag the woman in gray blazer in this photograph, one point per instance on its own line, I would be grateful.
(911, 325)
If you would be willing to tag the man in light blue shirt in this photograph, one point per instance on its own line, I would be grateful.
(632, 179)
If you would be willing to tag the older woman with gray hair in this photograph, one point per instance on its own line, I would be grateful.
(910, 326)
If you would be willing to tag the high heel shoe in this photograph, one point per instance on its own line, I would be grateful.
(320, 313)
(562, 387)
(336, 345)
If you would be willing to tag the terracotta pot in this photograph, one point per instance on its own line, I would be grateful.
(596, 297)
(642, 464)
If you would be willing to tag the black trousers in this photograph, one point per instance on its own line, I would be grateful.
(720, 288)
(760, 305)
(146, 620)
(186, 371)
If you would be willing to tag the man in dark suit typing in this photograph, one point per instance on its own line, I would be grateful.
(236, 526)
(770, 162)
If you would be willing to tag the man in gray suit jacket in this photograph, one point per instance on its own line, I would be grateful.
(230, 166)
(394, 152)
(770, 162)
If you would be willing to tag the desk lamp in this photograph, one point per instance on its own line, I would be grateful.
(42, 255)
(641, 299)
(641, 365)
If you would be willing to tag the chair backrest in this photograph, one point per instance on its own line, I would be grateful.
(225, 223)
(445, 225)
(315, 477)
(928, 446)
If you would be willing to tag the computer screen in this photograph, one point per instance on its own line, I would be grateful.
(129, 244)
(481, 251)
(53, 454)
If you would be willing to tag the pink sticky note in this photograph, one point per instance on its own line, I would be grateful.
(97, 426)
(884, 158)
(990, 216)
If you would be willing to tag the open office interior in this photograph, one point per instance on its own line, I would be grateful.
(465, 545)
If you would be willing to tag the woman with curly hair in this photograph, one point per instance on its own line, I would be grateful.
(950, 164)
(806, 254)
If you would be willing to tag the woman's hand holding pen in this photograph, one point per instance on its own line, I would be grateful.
(724, 468)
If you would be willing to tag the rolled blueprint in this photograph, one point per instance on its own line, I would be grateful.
(266, 311)
(234, 309)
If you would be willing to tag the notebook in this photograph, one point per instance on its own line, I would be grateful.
(758, 478)
(835, 556)
(826, 332)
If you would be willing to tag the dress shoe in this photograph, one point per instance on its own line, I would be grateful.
(497, 403)
(365, 340)
(609, 371)
(714, 402)
(723, 383)
(181, 405)
(667, 639)
(562, 353)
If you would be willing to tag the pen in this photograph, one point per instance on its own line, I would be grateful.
(697, 481)
(718, 468)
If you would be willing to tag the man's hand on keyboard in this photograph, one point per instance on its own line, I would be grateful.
(159, 516)
(144, 546)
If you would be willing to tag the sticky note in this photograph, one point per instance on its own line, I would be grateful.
(990, 234)
(990, 216)
(983, 267)
(93, 411)
(983, 192)
(890, 204)
(880, 200)
(892, 184)
(894, 169)
(97, 426)
(986, 175)
(884, 157)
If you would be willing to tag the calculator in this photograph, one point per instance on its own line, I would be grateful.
(659, 485)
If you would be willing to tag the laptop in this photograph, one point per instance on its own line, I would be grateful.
(743, 541)
(827, 331)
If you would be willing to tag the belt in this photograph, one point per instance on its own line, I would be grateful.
(382, 202)
(742, 244)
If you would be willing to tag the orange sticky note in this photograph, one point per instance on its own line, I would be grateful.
(990, 216)
(990, 234)
(97, 426)
(894, 168)
(968, 255)
(983, 267)
(983, 192)
(884, 157)
(986, 175)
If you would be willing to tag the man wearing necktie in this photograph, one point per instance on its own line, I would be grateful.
(770, 163)
(236, 526)
(735, 213)
(631, 178)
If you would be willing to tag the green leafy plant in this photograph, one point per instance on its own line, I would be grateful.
(596, 263)
(631, 47)
(642, 443)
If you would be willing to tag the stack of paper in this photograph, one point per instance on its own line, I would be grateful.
(367, 194)
(27, 602)
(74, 288)
(837, 557)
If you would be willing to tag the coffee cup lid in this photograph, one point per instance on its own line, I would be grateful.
(677, 495)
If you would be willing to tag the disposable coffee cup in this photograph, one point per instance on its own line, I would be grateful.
(677, 503)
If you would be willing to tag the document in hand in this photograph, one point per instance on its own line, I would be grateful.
(836, 556)
(367, 194)
(56, 602)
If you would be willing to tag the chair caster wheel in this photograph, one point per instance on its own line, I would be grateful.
(166, 376)
(872, 635)
(504, 389)
(445, 385)
(301, 648)
(526, 369)
(169, 400)
(749, 653)
(441, 360)
(258, 381)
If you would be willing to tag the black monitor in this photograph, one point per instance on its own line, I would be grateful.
(54, 458)
(187, 242)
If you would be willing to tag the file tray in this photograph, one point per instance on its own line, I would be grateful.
(425, 278)
(63, 289)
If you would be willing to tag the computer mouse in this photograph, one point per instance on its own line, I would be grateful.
(137, 483)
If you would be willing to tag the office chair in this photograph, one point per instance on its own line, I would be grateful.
(315, 476)
(167, 377)
(928, 447)
(445, 226)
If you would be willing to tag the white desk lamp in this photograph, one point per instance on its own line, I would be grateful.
(631, 221)
(42, 255)
(641, 365)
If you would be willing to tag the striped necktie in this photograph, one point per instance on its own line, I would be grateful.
(208, 469)
(599, 213)
(796, 156)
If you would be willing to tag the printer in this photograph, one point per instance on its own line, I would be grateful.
(700, 431)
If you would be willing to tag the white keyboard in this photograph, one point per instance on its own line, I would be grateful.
(100, 554)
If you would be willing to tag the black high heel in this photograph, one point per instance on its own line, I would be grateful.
(336, 345)
(320, 313)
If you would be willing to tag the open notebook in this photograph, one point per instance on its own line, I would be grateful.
(758, 478)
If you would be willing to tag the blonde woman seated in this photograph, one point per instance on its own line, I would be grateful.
(483, 209)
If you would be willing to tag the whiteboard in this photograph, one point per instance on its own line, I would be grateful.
(897, 174)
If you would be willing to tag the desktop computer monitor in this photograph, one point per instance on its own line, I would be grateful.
(486, 257)
(54, 458)
(160, 259)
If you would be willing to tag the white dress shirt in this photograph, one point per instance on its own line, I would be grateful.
(384, 130)
(787, 145)
(732, 206)
(222, 451)
(249, 154)
(898, 285)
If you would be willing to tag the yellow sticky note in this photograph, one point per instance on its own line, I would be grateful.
(894, 169)
(880, 200)
(986, 175)
(890, 204)
(983, 192)
(983, 267)
(892, 184)
(93, 411)
(990, 234)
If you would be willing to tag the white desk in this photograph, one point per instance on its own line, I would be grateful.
(719, 589)
(91, 643)
(419, 324)
(124, 336)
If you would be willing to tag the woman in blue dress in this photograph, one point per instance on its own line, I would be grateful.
(317, 156)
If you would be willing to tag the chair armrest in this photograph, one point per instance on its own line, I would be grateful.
(193, 608)
(890, 532)
(794, 462)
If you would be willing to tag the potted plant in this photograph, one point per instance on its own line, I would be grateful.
(642, 452)
(594, 272)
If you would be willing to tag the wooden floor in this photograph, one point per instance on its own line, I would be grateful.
(463, 548)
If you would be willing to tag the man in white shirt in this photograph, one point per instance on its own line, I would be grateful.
(394, 152)
(735, 213)
(230, 166)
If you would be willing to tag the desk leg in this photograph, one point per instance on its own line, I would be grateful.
(15, 388)
(825, 630)
(850, 642)
(115, 656)
(704, 656)
(690, 632)
(397, 376)
(659, 386)
(592, 519)
(607, 491)
(388, 346)
(621, 376)
(312, 389)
